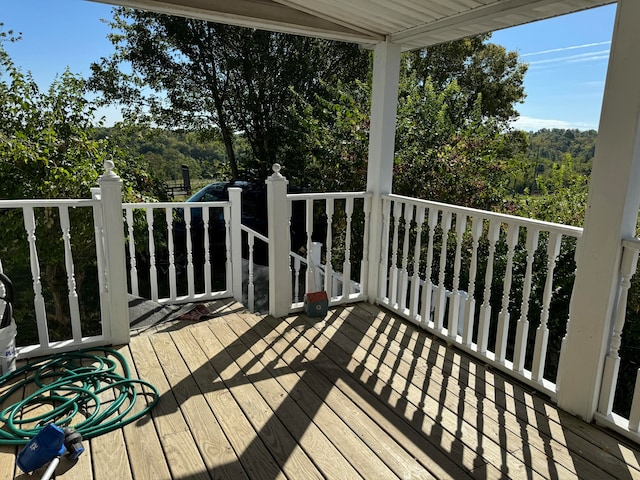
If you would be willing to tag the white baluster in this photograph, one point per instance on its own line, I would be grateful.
(485, 308)
(207, 256)
(454, 304)
(153, 272)
(384, 251)
(612, 361)
(504, 315)
(404, 270)
(189, 244)
(542, 333)
(441, 291)
(74, 307)
(296, 285)
(522, 330)
(393, 284)
(328, 268)
(251, 286)
(38, 301)
(310, 273)
(346, 268)
(173, 289)
(467, 331)
(316, 262)
(228, 219)
(427, 287)
(364, 266)
(415, 281)
(133, 269)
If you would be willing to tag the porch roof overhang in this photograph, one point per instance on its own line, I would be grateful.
(410, 23)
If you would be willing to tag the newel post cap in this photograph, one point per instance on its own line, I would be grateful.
(109, 175)
(276, 176)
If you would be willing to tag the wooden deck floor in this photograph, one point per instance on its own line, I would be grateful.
(360, 394)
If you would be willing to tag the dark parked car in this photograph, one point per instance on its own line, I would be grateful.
(254, 204)
(254, 212)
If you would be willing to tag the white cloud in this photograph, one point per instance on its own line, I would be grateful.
(529, 124)
(580, 57)
(563, 49)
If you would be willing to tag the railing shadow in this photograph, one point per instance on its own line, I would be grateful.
(453, 416)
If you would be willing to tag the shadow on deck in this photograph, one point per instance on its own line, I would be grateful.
(360, 394)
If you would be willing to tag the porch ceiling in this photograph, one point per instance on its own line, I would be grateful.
(411, 23)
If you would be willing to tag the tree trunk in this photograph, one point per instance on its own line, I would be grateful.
(227, 137)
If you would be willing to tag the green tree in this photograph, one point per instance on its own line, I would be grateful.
(47, 151)
(562, 197)
(335, 137)
(478, 67)
(445, 154)
(449, 147)
(206, 76)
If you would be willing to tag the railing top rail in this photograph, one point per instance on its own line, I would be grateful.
(521, 221)
(633, 243)
(250, 231)
(322, 196)
(46, 202)
(299, 257)
(220, 203)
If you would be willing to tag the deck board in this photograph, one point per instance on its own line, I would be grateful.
(307, 385)
(358, 394)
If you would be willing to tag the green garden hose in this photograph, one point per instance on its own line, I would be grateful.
(90, 390)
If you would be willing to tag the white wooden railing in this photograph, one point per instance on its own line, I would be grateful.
(48, 228)
(481, 280)
(175, 238)
(328, 263)
(625, 420)
(451, 270)
(33, 212)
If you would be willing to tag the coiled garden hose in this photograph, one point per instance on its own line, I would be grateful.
(90, 390)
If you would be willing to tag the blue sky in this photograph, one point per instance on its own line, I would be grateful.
(567, 55)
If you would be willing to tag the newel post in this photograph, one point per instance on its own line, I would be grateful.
(279, 244)
(235, 197)
(116, 325)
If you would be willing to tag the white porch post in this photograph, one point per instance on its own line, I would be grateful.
(113, 238)
(612, 211)
(279, 244)
(382, 133)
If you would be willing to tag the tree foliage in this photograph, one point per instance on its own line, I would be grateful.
(562, 196)
(450, 146)
(206, 76)
(47, 151)
(478, 67)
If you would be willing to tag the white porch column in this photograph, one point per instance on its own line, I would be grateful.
(612, 211)
(279, 244)
(382, 133)
(115, 260)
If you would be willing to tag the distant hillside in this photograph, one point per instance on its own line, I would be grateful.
(552, 145)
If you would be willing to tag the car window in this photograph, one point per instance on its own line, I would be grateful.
(210, 197)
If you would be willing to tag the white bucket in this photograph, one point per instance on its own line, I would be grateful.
(8, 348)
